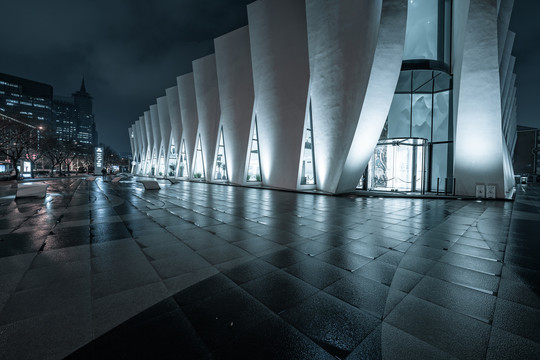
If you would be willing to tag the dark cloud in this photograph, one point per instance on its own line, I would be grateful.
(128, 51)
(131, 50)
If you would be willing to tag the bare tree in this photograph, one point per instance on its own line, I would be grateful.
(16, 140)
(55, 151)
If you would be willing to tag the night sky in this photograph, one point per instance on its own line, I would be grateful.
(131, 51)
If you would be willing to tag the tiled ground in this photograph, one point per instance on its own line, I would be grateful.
(197, 271)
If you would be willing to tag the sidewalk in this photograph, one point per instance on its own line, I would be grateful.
(104, 270)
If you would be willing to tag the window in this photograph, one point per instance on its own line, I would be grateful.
(220, 171)
(307, 176)
(198, 167)
(183, 169)
(427, 33)
(254, 164)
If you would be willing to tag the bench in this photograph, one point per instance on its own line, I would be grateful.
(32, 190)
(150, 184)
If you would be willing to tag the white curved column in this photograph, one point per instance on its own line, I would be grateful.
(149, 142)
(280, 64)
(190, 117)
(207, 96)
(142, 144)
(236, 97)
(165, 130)
(173, 101)
(390, 18)
(156, 138)
(478, 147)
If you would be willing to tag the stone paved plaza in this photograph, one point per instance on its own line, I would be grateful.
(197, 271)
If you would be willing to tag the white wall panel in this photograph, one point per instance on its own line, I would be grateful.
(164, 127)
(138, 138)
(358, 67)
(143, 143)
(236, 97)
(149, 142)
(156, 136)
(478, 141)
(190, 118)
(208, 110)
(279, 53)
(175, 117)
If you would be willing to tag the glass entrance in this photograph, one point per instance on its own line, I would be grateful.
(397, 165)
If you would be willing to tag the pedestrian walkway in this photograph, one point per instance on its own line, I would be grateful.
(198, 271)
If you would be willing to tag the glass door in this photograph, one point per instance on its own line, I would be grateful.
(397, 165)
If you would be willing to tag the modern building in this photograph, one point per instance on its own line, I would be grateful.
(74, 118)
(526, 160)
(26, 100)
(65, 117)
(390, 95)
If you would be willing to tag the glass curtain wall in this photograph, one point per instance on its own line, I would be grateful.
(171, 166)
(198, 169)
(254, 164)
(427, 36)
(307, 176)
(183, 168)
(161, 163)
(220, 171)
(421, 108)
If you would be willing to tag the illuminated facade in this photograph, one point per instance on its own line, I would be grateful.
(26, 100)
(390, 95)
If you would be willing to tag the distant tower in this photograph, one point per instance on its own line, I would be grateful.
(85, 118)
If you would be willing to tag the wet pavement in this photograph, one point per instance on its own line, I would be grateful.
(196, 271)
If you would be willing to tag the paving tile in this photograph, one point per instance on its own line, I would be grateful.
(185, 280)
(199, 239)
(517, 319)
(458, 298)
(316, 272)
(53, 335)
(206, 288)
(389, 342)
(247, 270)
(222, 253)
(179, 264)
(121, 279)
(220, 318)
(111, 311)
(518, 292)
(505, 345)
(272, 339)
(441, 328)
(279, 290)
(55, 273)
(344, 259)
(284, 257)
(439, 251)
(365, 294)
(366, 250)
(465, 277)
(35, 302)
(310, 247)
(155, 333)
(331, 323)
(172, 248)
(489, 267)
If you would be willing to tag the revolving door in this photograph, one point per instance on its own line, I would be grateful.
(397, 165)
